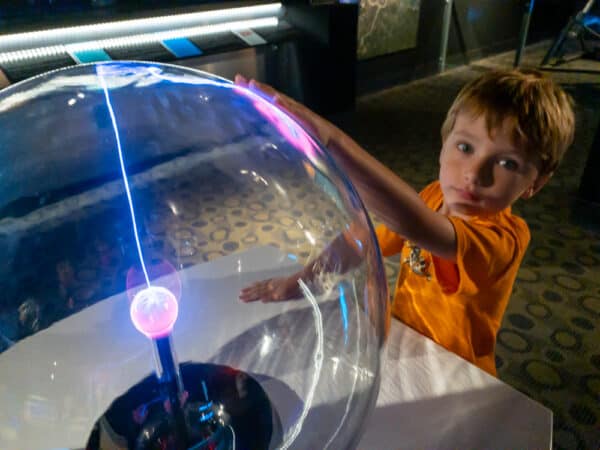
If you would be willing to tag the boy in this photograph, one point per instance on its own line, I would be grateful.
(461, 246)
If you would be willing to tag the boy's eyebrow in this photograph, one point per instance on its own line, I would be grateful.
(513, 149)
(465, 133)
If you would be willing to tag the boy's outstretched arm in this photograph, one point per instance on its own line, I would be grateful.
(395, 203)
(342, 254)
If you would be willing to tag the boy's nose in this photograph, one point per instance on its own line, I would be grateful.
(471, 176)
(479, 173)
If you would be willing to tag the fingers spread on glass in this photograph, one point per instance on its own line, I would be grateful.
(271, 290)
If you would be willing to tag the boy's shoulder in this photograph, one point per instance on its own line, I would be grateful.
(432, 194)
(504, 223)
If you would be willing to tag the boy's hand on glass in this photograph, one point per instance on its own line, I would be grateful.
(317, 125)
(272, 290)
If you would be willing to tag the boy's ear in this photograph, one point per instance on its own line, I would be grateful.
(538, 184)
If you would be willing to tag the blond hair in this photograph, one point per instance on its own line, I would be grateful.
(541, 112)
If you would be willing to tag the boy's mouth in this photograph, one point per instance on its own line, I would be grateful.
(467, 195)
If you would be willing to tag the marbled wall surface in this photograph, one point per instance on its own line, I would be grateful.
(387, 26)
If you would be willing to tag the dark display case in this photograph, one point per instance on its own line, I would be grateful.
(306, 49)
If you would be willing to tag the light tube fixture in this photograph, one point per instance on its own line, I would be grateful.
(137, 39)
(67, 35)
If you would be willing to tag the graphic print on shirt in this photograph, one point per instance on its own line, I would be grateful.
(418, 264)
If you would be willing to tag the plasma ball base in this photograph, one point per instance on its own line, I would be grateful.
(223, 408)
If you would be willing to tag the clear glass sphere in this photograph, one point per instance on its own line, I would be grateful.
(136, 201)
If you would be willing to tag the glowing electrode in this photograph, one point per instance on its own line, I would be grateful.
(154, 311)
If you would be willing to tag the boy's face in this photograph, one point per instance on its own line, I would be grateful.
(481, 174)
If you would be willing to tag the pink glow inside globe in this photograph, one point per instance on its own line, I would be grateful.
(154, 311)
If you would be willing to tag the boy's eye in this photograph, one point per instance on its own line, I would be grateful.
(464, 148)
(509, 164)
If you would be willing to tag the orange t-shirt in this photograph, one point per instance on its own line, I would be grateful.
(459, 305)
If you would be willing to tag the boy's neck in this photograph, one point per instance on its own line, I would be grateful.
(443, 209)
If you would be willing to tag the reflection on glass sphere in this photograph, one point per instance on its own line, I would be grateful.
(137, 201)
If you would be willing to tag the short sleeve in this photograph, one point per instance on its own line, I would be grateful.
(489, 254)
(390, 243)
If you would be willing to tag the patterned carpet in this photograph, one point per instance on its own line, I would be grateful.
(549, 344)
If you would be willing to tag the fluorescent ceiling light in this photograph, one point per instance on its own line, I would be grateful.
(60, 36)
(137, 39)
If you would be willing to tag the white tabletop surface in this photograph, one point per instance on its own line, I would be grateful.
(429, 398)
(432, 399)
